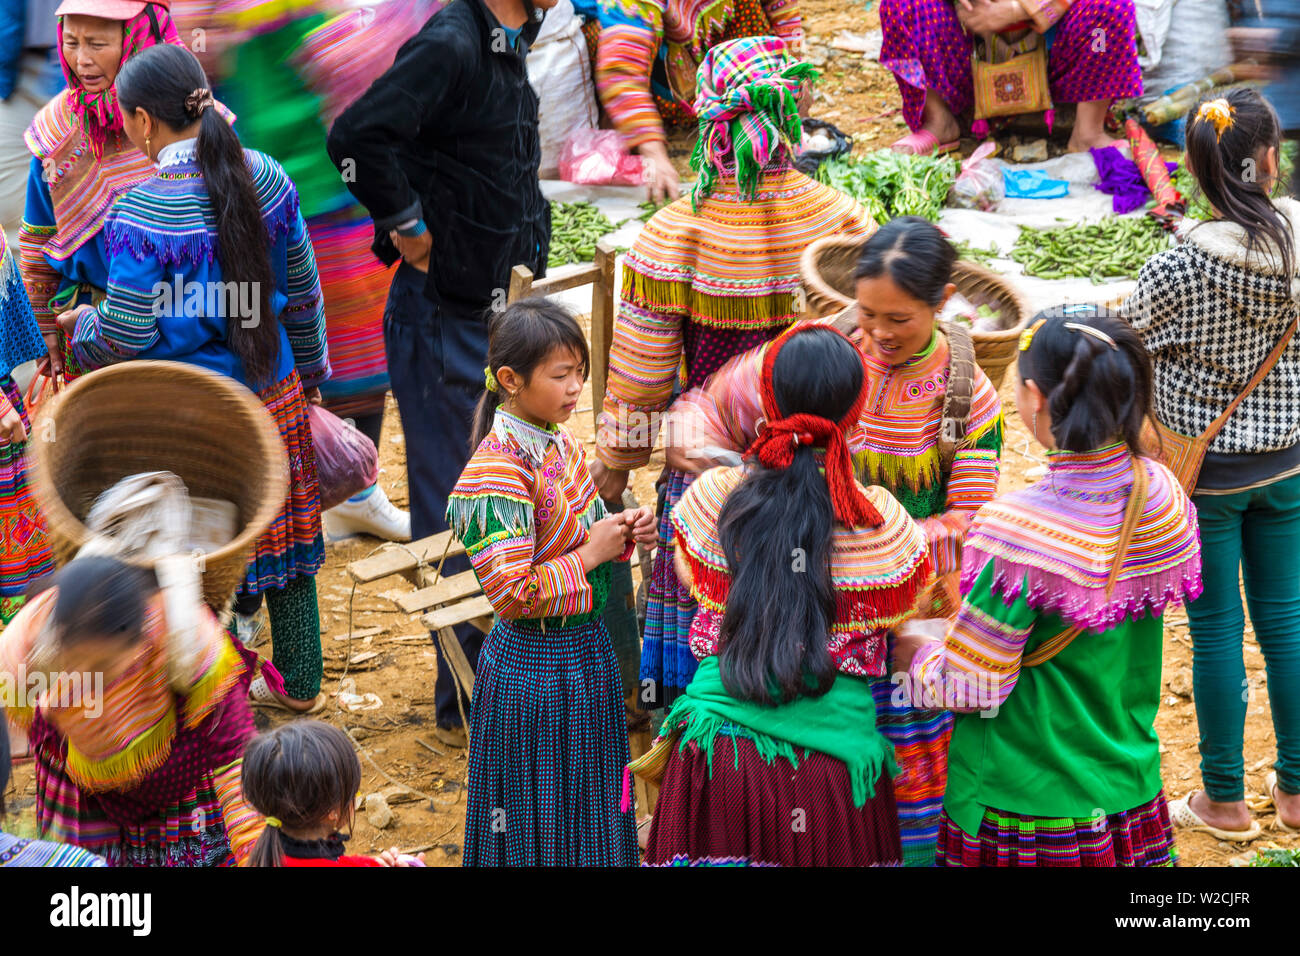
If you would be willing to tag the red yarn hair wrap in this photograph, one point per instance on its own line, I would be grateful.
(781, 435)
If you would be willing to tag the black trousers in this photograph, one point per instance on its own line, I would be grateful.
(435, 364)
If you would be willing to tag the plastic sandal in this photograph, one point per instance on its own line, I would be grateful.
(1185, 818)
(923, 143)
(1270, 785)
(259, 695)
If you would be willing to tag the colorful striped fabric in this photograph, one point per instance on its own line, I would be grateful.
(920, 738)
(1056, 540)
(523, 505)
(731, 266)
(243, 824)
(26, 551)
(649, 50)
(1143, 836)
(16, 852)
(292, 546)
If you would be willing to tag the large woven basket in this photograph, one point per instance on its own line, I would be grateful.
(160, 416)
(829, 287)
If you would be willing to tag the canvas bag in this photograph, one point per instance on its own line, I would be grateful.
(1011, 77)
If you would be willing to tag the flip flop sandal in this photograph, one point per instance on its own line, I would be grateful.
(259, 695)
(1185, 818)
(1270, 785)
(923, 143)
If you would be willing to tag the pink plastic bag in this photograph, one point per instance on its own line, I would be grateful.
(595, 157)
(347, 462)
(979, 185)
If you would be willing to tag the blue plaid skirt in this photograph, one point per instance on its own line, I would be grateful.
(548, 744)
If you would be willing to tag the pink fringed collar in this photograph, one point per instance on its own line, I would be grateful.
(1055, 541)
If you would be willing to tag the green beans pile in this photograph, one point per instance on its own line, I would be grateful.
(1114, 248)
(576, 227)
(972, 253)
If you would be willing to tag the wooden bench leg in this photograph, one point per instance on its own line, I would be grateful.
(455, 657)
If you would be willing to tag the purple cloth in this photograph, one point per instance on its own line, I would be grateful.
(927, 49)
(1121, 179)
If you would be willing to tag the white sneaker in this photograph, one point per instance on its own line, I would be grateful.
(247, 628)
(374, 516)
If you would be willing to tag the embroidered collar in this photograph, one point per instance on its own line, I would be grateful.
(181, 151)
(531, 441)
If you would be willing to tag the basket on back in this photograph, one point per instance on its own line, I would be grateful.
(160, 416)
(827, 267)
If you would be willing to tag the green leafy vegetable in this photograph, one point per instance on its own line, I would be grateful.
(1276, 856)
(893, 184)
(1198, 208)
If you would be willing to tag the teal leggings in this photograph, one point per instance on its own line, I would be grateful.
(1256, 533)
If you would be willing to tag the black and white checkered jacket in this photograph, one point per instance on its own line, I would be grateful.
(1209, 315)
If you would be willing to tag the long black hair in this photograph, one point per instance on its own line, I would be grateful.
(915, 256)
(1095, 393)
(1224, 166)
(520, 337)
(163, 80)
(299, 773)
(775, 529)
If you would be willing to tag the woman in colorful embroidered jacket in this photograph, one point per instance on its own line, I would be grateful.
(548, 738)
(1211, 310)
(647, 57)
(1055, 654)
(1091, 61)
(26, 552)
(139, 733)
(903, 275)
(82, 160)
(709, 277)
(778, 723)
(232, 287)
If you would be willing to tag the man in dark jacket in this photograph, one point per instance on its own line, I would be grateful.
(443, 151)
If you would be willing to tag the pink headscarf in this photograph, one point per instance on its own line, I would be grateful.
(98, 112)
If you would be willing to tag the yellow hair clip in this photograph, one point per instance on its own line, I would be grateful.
(273, 822)
(1218, 113)
(489, 380)
(1027, 336)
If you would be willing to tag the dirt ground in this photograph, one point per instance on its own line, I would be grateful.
(395, 741)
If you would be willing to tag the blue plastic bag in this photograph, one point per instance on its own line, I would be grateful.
(1033, 184)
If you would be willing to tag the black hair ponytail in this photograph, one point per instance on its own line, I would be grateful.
(1095, 394)
(775, 530)
(163, 81)
(298, 774)
(521, 337)
(914, 254)
(1224, 166)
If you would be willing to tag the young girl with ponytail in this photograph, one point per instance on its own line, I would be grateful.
(799, 572)
(548, 737)
(1054, 657)
(1211, 311)
(210, 264)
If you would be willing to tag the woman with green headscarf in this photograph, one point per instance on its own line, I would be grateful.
(712, 275)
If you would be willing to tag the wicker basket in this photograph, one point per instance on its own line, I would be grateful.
(160, 416)
(828, 265)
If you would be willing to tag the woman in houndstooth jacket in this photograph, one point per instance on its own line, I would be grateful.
(1210, 311)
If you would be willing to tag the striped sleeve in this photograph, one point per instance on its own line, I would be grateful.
(126, 322)
(37, 228)
(491, 511)
(631, 32)
(243, 824)
(304, 316)
(643, 362)
(725, 410)
(979, 662)
(783, 15)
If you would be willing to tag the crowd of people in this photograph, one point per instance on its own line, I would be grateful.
(863, 654)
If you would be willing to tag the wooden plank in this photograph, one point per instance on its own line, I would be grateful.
(454, 654)
(521, 283)
(565, 279)
(448, 589)
(402, 559)
(456, 613)
(484, 623)
(602, 324)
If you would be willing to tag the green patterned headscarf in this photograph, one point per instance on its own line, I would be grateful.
(747, 102)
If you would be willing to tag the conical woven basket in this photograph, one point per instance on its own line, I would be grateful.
(828, 266)
(160, 416)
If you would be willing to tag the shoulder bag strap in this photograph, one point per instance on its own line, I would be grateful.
(1260, 375)
(957, 394)
(1137, 500)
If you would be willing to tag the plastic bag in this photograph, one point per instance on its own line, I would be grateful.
(979, 184)
(560, 71)
(595, 157)
(347, 462)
